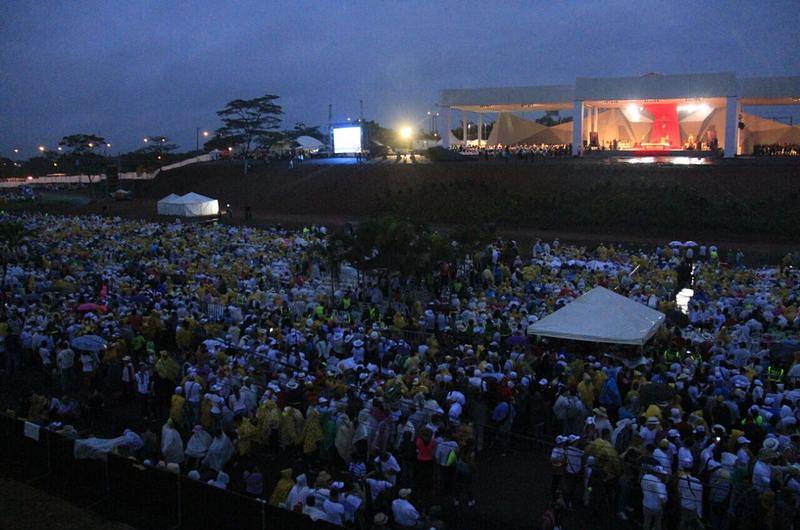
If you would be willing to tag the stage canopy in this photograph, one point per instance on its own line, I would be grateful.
(602, 316)
(511, 130)
(189, 205)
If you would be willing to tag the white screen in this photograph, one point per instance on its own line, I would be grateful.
(346, 140)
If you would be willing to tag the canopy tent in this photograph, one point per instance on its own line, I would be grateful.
(189, 205)
(167, 206)
(510, 130)
(601, 316)
(309, 143)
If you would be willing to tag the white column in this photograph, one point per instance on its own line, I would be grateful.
(577, 127)
(445, 135)
(589, 117)
(738, 130)
(731, 126)
(480, 128)
(464, 130)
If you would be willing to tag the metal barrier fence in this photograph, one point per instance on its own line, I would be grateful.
(125, 490)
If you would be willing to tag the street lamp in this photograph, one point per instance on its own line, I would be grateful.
(41, 148)
(146, 140)
(16, 150)
(197, 138)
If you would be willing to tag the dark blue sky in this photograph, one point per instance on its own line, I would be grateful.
(127, 69)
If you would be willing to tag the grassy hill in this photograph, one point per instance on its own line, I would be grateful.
(748, 198)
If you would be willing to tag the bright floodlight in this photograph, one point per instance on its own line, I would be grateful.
(405, 133)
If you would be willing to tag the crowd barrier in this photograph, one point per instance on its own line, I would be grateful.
(125, 490)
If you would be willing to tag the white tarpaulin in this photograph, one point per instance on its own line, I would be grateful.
(189, 205)
(601, 316)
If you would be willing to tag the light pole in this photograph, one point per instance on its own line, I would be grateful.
(197, 138)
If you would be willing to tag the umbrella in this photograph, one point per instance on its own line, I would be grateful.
(675, 244)
(690, 244)
(88, 343)
(89, 306)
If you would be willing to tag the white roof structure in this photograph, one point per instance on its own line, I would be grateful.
(602, 316)
(309, 142)
(189, 205)
(618, 90)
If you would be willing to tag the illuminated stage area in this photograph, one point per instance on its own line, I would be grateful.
(651, 115)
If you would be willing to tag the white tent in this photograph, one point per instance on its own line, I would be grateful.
(189, 205)
(601, 316)
(309, 143)
(167, 206)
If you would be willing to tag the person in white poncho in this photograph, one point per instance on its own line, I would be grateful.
(219, 452)
(199, 443)
(171, 444)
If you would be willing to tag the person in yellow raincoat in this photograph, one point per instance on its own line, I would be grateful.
(282, 489)
(248, 436)
(607, 457)
(586, 390)
(177, 409)
(289, 436)
(268, 419)
(312, 433)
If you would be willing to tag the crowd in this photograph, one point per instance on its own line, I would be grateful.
(235, 350)
(523, 152)
(776, 150)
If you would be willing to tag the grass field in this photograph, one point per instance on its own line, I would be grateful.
(742, 199)
(752, 203)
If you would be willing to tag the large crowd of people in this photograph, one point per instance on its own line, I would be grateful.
(232, 347)
(523, 152)
(776, 150)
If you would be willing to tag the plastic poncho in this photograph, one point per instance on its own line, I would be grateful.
(282, 489)
(198, 444)
(299, 493)
(248, 435)
(171, 444)
(344, 437)
(312, 432)
(288, 427)
(268, 417)
(219, 452)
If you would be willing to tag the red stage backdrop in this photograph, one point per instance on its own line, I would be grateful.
(665, 123)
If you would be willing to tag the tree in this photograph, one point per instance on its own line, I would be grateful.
(553, 117)
(157, 144)
(301, 129)
(81, 153)
(247, 121)
(81, 143)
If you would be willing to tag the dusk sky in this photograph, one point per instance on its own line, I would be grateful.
(129, 69)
